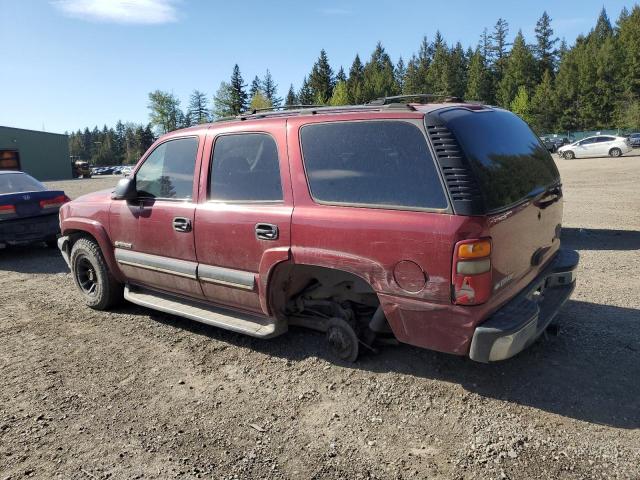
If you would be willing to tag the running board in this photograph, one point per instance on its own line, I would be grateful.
(253, 325)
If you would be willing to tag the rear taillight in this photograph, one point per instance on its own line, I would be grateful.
(471, 273)
(7, 210)
(55, 202)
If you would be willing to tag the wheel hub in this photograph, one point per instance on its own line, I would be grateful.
(342, 340)
(86, 276)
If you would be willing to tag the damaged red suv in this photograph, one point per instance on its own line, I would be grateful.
(436, 225)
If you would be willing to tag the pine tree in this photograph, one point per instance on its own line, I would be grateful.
(321, 79)
(340, 94)
(399, 74)
(499, 46)
(424, 59)
(543, 105)
(341, 76)
(545, 51)
(270, 90)
(566, 90)
(256, 86)
(237, 92)
(562, 50)
(260, 102)
(519, 71)
(305, 95)
(292, 98)
(119, 141)
(87, 143)
(486, 45)
(457, 68)
(223, 102)
(629, 44)
(198, 111)
(479, 79)
(355, 82)
(379, 80)
(520, 104)
(413, 81)
(603, 28)
(438, 74)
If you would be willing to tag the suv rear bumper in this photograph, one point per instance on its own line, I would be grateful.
(517, 324)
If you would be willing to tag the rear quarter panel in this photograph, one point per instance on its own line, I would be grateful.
(371, 242)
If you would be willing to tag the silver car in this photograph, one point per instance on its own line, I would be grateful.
(596, 146)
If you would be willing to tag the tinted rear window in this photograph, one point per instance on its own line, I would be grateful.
(506, 157)
(379, 163)
(19, 182)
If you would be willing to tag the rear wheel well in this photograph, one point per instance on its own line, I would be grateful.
(312, 291)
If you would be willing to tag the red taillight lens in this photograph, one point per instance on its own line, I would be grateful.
(55, 202)
(471, 273)
(7, 210)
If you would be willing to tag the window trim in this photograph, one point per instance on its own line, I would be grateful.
(242, 202)
(417, 123)
(195, 160)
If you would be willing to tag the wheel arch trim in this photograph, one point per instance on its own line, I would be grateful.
(74, 227)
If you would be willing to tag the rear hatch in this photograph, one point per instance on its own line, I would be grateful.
(505, 173)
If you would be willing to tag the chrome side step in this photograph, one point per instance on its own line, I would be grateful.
(253, 325)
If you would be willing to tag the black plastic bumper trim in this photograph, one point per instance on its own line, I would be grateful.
(520, 322)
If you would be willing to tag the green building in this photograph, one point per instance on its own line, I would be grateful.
(42, 155)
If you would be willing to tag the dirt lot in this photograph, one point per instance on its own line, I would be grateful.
(138, 394)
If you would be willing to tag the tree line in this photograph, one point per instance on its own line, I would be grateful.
(593, 84)
(122, 145)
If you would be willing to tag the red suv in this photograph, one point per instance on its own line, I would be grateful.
(436, 225)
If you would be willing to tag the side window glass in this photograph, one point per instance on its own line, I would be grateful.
(380, 163)
(168, 171)
(245, 168)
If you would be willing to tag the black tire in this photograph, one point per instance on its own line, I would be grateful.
(99, 289)
(615, 152)
(569, 155)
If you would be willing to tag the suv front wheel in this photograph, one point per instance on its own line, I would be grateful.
(91, 274)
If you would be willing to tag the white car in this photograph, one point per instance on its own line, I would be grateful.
(596, 146)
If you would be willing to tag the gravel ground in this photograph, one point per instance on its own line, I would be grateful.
(137, 394)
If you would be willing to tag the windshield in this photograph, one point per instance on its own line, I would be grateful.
(19, 182)
(507, 158)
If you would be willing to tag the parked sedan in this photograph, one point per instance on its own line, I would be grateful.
(28, 211)
(634, 140)
(596, 146)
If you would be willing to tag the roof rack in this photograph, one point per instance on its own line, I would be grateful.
(423, 97)
(310, 110)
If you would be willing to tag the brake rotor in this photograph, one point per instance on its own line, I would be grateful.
(342, 339)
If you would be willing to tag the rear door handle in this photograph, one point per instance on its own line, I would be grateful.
(266, 231)
(181, 224)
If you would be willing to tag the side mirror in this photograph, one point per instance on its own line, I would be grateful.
(125, 190)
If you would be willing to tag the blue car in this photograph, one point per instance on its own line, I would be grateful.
(28, 211)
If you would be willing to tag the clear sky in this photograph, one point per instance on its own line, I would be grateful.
(67, 64)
